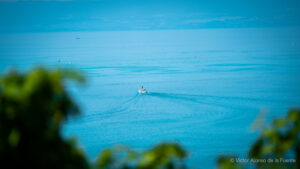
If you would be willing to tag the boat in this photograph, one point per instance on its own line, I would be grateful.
(142, 90)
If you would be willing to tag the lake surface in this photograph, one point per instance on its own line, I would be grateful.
(206, 86)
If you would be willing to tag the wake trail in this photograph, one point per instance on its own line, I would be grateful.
(124, 106)
(137, 101)
(231, 102)
(197, 98)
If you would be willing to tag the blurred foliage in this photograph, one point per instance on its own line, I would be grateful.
(163, 156)
(32, 109)
(228, 162)
(277, 142)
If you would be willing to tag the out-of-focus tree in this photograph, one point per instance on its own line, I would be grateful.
(32, 109)
(277, 147)
(162, 156)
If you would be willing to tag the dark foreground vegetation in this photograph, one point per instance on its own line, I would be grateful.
(34, 105)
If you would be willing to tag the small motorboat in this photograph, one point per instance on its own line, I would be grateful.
(142, 90)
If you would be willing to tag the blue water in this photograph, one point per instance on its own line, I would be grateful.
(206, 86)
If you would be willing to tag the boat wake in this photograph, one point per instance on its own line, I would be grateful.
(140, 102)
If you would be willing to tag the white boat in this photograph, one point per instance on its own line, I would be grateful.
(142, 90)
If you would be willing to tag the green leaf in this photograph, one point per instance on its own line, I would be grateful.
(14, 137)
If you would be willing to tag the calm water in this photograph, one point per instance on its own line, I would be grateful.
(206, 86)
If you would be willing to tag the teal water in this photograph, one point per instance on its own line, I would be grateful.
(206, 86)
